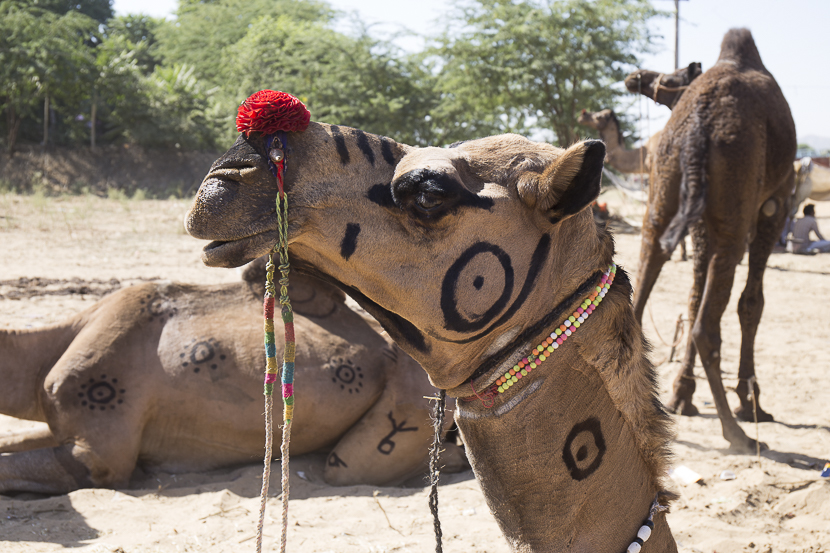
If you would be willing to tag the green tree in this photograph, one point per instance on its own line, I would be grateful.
(531, 66)
(351, 80)
(203, 29)
(99, 10)
(43, 59)
(137, 33)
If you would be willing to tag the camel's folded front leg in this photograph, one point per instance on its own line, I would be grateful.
(48, 470)
(27, 440)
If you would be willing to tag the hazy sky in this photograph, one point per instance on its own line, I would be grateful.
(791, 37)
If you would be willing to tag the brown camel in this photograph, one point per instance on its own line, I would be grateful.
(663, 88)
(469, 257)
(169, 376)
(616, 154)
(723, 171)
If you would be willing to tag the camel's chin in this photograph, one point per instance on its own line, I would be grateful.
(235, 253)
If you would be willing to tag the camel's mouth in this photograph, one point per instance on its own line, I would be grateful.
(235, 253)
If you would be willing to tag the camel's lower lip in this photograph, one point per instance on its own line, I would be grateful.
(235, 253)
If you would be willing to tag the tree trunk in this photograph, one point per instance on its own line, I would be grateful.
(46, 121)
(92, 121)
(13, 123)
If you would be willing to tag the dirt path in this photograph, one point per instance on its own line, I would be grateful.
(74, 249)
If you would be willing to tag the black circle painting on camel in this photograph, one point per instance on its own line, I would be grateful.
(482, 253)
(584, 449)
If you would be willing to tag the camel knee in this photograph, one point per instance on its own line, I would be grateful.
(750, 307)
(707, 344)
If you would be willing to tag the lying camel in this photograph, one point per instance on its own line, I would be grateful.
(470, 257)
(723, 172)
(169, 376)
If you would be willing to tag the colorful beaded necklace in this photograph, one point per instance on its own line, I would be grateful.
(543, 351)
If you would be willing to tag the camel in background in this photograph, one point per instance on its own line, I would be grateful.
(723, 171)
(169, 376)
(663, 88)
(605, 122)
(617, 155)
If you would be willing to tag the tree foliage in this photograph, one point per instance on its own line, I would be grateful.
(530, 67)
(355, 81)
(204, 29)
(99, 10)
(41, 54)
(523, 66)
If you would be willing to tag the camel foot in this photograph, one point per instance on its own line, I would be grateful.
(682, 406)
(745, 413)
(746, 446)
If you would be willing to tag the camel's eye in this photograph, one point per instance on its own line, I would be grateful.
(428, 203)
(276, 155)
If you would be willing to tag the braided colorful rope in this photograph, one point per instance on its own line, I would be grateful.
(273, 113)
(286, 312)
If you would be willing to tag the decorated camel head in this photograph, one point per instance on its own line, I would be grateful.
(663, 88)
(168, 376)
(617, 155)
(724, 174)
(483, 263)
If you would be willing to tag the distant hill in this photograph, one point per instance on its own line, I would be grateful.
(819, 143)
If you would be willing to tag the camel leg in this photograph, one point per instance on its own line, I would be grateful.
(26, 440)
(707, 337)
(684, 384)
(387, 446)
(48, 470)
(390, 443)
(750, 307)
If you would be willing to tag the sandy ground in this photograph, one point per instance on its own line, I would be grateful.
(74, 249)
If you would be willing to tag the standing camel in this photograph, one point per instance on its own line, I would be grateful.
(483, 262)
(663, 88)
(724, 172)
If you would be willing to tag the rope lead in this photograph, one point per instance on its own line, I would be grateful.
(287, 315)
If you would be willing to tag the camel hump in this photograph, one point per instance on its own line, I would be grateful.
(738, 46)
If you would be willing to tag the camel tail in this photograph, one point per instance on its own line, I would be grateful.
(693, 186)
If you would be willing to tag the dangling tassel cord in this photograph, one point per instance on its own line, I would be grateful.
(271, 364)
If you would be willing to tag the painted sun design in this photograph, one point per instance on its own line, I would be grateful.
(157, 307)
(200, 354)
(347, 374)
(101, 394)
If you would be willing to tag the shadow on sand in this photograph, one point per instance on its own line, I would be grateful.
(28, 517)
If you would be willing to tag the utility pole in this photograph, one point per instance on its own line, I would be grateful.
(677, 34)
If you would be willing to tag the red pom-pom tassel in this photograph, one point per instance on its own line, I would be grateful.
(269, 111)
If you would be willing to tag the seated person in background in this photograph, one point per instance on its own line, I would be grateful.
(801, 242)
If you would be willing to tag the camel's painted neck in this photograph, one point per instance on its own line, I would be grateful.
(616, 154)
(26, 358)
(558, 458)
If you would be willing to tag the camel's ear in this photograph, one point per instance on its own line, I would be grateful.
(694, 70)
(568, 184)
